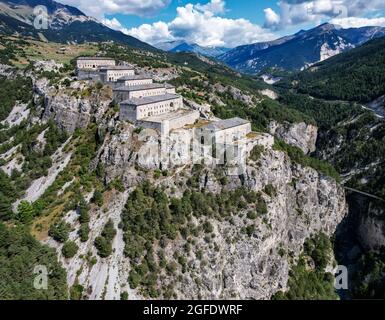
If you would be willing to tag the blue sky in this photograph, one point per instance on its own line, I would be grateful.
(228, 23)
(248, 9)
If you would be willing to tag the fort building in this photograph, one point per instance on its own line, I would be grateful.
(166, 122)
(135, 80)
(142, 91)
(113, 73)
(162, 113)
(93, 63)
(227, 131)
(140, 108)
(223, 142)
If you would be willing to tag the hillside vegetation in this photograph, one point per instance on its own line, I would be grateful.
(358, 75)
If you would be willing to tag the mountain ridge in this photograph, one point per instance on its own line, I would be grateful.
(184, 46)
(67, 24)
(300, 50)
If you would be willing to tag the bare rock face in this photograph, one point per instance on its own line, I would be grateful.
(71, 111)
(257, 266)
(68, 112)
(234, 92)
(118, 155)
(48, 65)
(5, 70)
(269, 93)
(239, 265)
(301, 135)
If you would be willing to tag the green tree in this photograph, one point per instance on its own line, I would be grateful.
(84, 232)
(70, 249)
(25, 212)
(5, 208)
(83, 211)
(109, 231)
(103, 246)
(20, 253)
(76, 292)
(98, 198)
(60, 231)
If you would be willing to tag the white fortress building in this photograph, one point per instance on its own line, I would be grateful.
(161, 112)
(135, 80)
(224, 142)
(157, 106)
(142, 91)
(140, 108)
(227, 131)
(93, 63)
(113, 73)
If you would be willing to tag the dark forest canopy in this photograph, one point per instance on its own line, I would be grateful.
(357, 75)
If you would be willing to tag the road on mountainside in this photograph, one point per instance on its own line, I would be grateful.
(364, 194)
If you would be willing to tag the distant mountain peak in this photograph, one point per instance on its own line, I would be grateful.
(184, 46)
(300, 50)
(67, 24)
(326, 26)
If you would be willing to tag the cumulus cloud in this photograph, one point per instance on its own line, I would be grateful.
(98, 8)
(202, 24)
(214, 6)
(295, 12)
(151, 33)
(272, 18)
(354, 22)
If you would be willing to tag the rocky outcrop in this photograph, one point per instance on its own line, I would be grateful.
(301, 135)
(234, 92)
(70, 110)
(239, 265)
(5, 70)
(253, 267)
(269, 93)
(47, 65)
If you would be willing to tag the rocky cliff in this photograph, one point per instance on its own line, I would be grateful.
(299, 203)
(301, 135)
(245, 255)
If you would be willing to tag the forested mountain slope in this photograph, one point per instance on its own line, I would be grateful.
(357, 75)
(352, 138)
(301, 50)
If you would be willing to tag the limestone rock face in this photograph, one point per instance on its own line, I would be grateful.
(301, 135)
(234, 92)
(118, 154)
(5, 70)
(251, 267)
(48, 65)
(70, 111)
(239, 265)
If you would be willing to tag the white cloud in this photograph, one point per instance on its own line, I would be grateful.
(354, 22)
(214, 6)
(151, 33)
(98, 8)
(201, 24)
(295, 12)
(272, 18)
